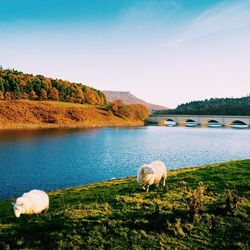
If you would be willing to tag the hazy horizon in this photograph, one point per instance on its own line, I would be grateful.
(165, 52)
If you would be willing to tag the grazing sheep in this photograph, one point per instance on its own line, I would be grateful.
(33, 202)
(151, 174)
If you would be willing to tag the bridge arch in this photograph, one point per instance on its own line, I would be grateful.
(189, 122)
(183, 121)
(167, 122)
(170, 122)
(213, 120)
(213, 123)
(238, 124)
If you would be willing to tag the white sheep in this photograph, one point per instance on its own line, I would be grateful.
(33, 202)
(152, 173)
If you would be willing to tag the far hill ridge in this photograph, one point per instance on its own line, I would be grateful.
(129, 98)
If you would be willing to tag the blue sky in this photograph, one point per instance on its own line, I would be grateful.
(68, 10)
(164, 51)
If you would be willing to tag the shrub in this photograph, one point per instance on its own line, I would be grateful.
(132, 111)
(232, 203)
(8, 96)
(195, 203)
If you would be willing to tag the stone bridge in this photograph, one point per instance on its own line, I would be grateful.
(203, 120)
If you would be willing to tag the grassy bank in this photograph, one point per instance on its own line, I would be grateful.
(26, 114)
(117, 214)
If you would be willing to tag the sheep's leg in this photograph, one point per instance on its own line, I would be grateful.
(164, 182)
(143, 187)
(147, 188)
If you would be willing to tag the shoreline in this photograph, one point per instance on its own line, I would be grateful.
(171, 173)
(20, 127)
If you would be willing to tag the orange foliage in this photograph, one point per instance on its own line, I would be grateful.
(79, 95)
(54, 94)
(25, 95)
(8, 96)
(16, 85)
(44, 94)
(33, 95)
(131, 111)
(116, 105)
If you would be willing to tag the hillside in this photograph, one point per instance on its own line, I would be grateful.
(16, 85)
(28, 101)
(129, 98)
(117, 214)
(23, 114)
(213, 106)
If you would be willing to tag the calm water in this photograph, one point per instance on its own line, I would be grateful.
(51, 159)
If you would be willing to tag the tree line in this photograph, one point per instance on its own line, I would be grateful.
(213, 106)
(18, 85)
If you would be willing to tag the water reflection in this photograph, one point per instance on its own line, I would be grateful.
(29, 135)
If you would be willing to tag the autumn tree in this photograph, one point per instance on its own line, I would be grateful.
(132, 111)
(54, 94)
(79, 95)
(8, 96)
(116, 105)
(33, 95)
(25, 95)
(91, 96)
(44, 94)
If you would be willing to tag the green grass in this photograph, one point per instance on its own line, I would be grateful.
(117, 214)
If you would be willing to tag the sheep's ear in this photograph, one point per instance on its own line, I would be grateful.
(13, 203)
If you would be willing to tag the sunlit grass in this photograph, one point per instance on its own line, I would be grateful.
(117, 214)
(68, 104)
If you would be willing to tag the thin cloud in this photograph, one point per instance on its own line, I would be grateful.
(220, 18)
(151, 11)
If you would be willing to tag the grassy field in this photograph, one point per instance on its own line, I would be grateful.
(27, 114)
(117, 214)
(67, 104)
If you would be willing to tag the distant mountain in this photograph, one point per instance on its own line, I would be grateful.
(129, 98)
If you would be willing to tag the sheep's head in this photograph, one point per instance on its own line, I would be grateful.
(18, 207)
(148, 170)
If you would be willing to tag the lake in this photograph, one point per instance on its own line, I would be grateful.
(52, 159)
